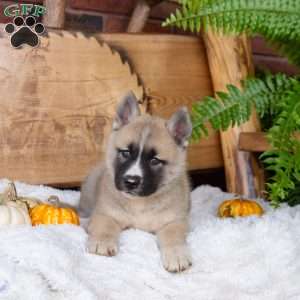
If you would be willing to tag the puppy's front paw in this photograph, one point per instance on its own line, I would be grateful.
(106, 247)
(176, 259)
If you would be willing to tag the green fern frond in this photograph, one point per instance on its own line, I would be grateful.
(234, 107)
(271, 17)
(277, 95)
(277, 20)
(284, 160)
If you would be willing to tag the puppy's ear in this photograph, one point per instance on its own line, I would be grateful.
(180, 126)
(127, 110)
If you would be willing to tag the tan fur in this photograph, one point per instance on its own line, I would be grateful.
(164, 213)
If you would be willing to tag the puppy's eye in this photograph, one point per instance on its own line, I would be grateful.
(155, 161)
(124, 153)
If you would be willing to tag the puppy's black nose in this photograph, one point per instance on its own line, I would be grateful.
(132, 182)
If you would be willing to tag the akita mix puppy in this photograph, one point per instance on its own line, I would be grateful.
(142, 184)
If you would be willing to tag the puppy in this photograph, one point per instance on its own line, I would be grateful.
(142, 184)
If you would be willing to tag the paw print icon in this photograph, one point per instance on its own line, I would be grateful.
(24, 31)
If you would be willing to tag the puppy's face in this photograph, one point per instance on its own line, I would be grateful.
(146, 153)
(139, 166)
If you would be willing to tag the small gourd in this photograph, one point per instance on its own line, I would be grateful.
(12, 212)
(51, 213)
(11, 193)
(239, 208)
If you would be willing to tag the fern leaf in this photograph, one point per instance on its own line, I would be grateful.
(277, 20)
(284, 160)
(234, 107)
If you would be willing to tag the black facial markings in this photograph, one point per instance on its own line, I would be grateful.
(124, 162)
(134, 150)
(24, 32)
(152, 169)
(153, 173)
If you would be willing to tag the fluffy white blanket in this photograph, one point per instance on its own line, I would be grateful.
(246, 258)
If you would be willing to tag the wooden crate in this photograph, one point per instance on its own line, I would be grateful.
(58, 100)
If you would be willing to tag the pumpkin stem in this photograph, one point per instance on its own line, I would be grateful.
(54, 200)
(10, 193)
(240, 197)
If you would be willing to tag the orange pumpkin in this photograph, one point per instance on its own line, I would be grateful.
(51, 213)
(239, 208)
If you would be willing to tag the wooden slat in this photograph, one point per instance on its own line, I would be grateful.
(174, 72)
(253, 142)
(256, 141)
(55, 16)
(140, 15)
(230, 62)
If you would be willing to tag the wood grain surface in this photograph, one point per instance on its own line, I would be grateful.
(58, 100)
(230, 61)
(174, 72)
(140, 15)
(55, 14)
(253, 142)
(57, 105)
(256, 141)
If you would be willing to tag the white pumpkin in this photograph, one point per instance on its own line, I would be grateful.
(12, 213)
(10, 194)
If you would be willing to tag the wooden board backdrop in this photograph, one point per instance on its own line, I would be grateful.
(57, 104)
(174, 71)
(58, 100)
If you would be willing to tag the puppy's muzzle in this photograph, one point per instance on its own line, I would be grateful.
(132, 183)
